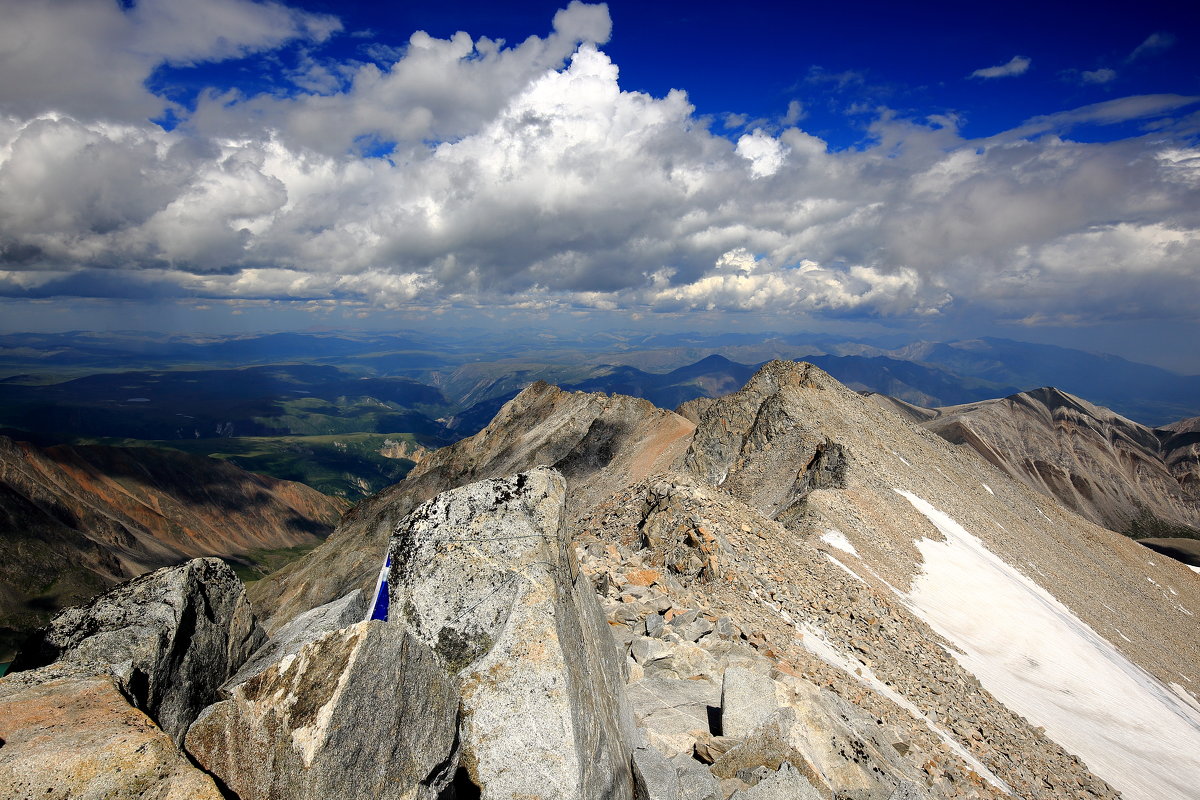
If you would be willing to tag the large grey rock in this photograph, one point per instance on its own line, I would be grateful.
(170, 639)
(747, 700)
(654, 776)
(672, 710)
(830, 742)
(785, 784)
(771, 745)
(362, 712)
(657, 777)
(696, 781)
(484, 575)
(299, 632)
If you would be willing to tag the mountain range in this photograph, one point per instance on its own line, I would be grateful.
(1109, 469)
(471, 366)
(789, 590)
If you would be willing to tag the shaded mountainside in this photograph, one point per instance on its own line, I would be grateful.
(1111, 470)
(1181, 449)
(787, 591)
(76, 520)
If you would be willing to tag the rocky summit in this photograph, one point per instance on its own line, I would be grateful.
(786, 592)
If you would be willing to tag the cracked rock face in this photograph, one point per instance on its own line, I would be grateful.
(483, 575)
(365, 711)
(169, 639)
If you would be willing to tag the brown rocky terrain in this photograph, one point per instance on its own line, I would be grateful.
(77, 520)
(1109, 469)
(787, 592)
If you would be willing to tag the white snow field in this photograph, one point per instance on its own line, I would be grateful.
(836, 538)
(1046, 664)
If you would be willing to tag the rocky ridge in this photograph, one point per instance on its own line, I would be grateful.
(732, 601)
(598, 442)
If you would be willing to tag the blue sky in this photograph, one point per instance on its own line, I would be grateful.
(754, 59)
(938, 170)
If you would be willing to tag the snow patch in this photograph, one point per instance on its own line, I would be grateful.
(1046, 664)
(1193, 569)
(902, 458)
(849, 571)
(815, 642)
(984, 485)
(1184, 694)
(838, 539)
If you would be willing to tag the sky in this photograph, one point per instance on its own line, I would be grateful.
(930, 170)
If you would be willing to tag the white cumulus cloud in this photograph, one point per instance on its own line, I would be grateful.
(765, 153)
(91, 58)
(525, 176)
(1017, 65)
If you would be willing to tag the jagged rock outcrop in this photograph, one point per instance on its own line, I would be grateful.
(1104, 467)
(169, 639)
(599, 443)
(101, 699)
(75, 521)
(752, 445)
(365, 711)
(495, 671)
(68, 732)
(484, 575)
